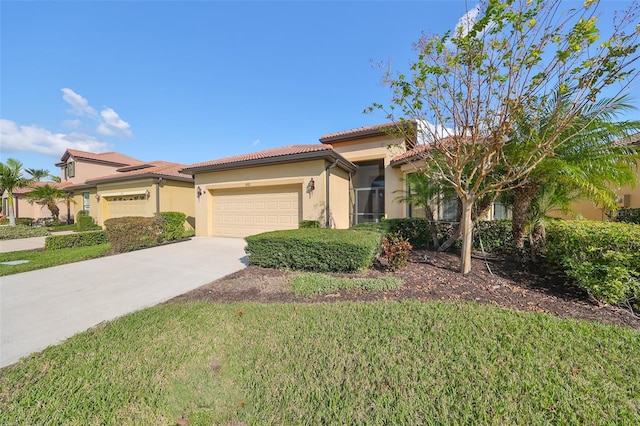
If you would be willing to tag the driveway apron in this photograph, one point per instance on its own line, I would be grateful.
(41, 308)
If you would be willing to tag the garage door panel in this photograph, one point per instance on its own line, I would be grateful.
(242, 212)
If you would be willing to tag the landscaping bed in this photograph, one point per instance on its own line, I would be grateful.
(433, 276)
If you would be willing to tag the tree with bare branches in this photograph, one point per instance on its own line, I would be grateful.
(468, 90)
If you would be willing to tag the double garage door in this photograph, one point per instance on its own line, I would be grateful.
(243, 212)
(127, 205)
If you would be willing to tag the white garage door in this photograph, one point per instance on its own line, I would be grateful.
(243, 212)
(128, 205)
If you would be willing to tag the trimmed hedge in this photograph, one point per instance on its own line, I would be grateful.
(85, 223)
(81, 239)
(132, 233)
(628, 216)
(318, 250)
(603, 257)
(306, 224)
(172, 224)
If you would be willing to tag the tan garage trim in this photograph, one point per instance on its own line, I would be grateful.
(240, 212)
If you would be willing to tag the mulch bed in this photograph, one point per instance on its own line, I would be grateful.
(433, 276)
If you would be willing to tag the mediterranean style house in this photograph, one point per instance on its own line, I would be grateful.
(351, 177)
(110, 185)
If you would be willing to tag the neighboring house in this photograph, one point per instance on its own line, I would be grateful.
(141, 189)
(24, 208)
(628, 196)
(351, 177)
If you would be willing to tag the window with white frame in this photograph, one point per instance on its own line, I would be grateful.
(85, 201)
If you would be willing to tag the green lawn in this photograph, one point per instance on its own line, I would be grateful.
(39, 259)
(343, 363)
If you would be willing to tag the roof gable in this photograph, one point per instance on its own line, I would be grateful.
(111, 158)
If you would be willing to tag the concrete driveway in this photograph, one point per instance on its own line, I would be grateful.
(42, 308)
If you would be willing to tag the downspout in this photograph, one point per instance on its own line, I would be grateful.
(327, 222)
(158, 194)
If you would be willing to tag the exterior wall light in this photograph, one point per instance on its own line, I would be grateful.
(98, 197)
(147, 194)
(311, 186)
(199, 192)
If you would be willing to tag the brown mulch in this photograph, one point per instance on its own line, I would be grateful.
(433, 276)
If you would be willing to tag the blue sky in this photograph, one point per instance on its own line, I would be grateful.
(194, 81)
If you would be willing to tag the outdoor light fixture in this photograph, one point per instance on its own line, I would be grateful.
(98, 197)
(199, 192)
(311, 186)
(147, 194)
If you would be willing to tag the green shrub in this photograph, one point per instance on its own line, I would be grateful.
(381, 227)
(396, 249)
(319, 250)
(310, 284)
(306, 224)
(21, 231)
(25, 221)
(81, 239)
(628, 216)
(415, 230)
(493, 236)
(603, 257)
(132, 233)
(172, 224)
(85, 223)
(4, 221)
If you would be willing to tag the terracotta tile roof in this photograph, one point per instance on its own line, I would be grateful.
(629, 140)
(361, 132)
(164, 169)
(410, 154)
(114, 158)
(264, 155)
(26, 190)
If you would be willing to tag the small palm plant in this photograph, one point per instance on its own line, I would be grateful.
(49, 196)
(12, 178)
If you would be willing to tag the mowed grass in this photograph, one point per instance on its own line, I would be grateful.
(310, 284)
(342, 363)
(39, 259)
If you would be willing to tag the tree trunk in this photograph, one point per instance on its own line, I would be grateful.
(520, 210)
(466, 225)
(433, 228)
(12, 216)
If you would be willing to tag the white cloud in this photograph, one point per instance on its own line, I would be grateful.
(466, 21)
(109, 122)
(112, 124)
(72, 124)
(79, 104)
(16, 138)
(256, 142)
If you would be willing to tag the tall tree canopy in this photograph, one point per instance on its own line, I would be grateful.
(509, 59)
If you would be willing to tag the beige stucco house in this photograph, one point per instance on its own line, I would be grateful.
(628, 196)
(24, 208)
(110, 185)
(351, 177)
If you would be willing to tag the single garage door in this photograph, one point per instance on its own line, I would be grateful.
(128, 205)
(243, 212)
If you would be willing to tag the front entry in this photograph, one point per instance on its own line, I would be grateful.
(368, 185)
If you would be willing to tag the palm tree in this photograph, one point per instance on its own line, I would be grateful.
(48, 196)
(11, 178)
(38, 174)
(588, 165)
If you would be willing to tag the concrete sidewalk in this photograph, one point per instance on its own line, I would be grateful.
(41, 308)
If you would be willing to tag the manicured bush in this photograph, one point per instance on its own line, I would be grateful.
(381, 227)
(80, 239)
(396, 249)
(493, 236)
(172, 224)
(628, 216)
(603, 257)
(319, 250)
(4, 221)
(415, 230)
(306, 224)
(85, 223)
(132, 233)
